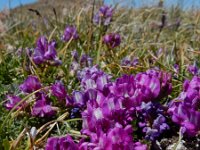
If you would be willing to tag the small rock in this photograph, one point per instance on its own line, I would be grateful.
(180, 146)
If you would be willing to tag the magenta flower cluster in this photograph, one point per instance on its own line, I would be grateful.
(12, 102)
(112, 40)
(30, 85)
(193, 69)
(45, 52)
(103, 16)
(70, 33)
(61, 143)
(184, 108)
(110, 108)
(59, 91)
(41, 107)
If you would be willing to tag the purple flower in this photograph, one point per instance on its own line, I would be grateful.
(38, 56)
(85, 60)
(42, 108)
(45, 51)
(61, 143)
(165, 81)
(110, 107)
(58, 90)
(118, 137)
(126, 61)
(30, 85)
(152, 83)
(185, 108)
(52, 143)
(102, 112)
(139, 146)
(144, 87)
(176, 68)
(51, 53)
(41, 48)
(151, 120)
(70, 33)
(93, 78)
(12, 101)
(77, 99)
(42, 44)
(103, 16)
(193, 69)
(93, 118)
(126, 87)
(112, 40)
(186, 117)
(88, 72)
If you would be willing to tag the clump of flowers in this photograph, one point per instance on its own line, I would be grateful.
(165, 81)
(41, 106)
(70, 33)
(103, 16)
(59, 91)
(122, 100)
(107, 107)
(184, 108)
(45, 52)
(12, 101)
(77, 99)
(93, 77)
(112, 40)
(151, 120)
(61, 143)
(30, 85)
(118, 137)
(110, 107)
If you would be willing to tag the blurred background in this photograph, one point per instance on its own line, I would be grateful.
(186, 4)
